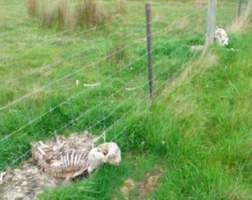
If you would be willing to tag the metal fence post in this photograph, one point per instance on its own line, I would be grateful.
(149, 48)
(211, 20)
(250, 4)
(239, 8)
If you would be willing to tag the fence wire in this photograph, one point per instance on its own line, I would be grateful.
(119, 122)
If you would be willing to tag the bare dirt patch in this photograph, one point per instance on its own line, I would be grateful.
(143, 188)
(149, 185)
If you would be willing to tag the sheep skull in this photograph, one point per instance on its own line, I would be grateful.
(104, 153)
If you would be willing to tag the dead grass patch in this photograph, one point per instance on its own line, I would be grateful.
(242, 22)
(89, 13)
(144, 187)
(32, 7)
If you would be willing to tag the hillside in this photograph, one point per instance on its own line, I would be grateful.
(198, 135)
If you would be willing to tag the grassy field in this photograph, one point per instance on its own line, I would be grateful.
(196, 135)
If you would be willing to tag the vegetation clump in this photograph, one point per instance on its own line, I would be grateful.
(66, 13)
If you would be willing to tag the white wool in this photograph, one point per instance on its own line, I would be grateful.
(221, 37)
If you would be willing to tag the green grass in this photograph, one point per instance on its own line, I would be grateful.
(209, 141)
(197, 131)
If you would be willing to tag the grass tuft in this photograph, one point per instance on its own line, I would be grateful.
(121, 6)
(62, 14)
(89, 13)
(32, 7)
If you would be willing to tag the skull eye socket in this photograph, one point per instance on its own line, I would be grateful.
(105, 152)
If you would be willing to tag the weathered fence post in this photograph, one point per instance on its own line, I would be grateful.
(239, 8)
(149, 48)
(249, 8)
(211, 21)
(250, 4)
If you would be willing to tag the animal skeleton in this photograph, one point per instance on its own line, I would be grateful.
(63, 157)
(54, 161)
(70, 157)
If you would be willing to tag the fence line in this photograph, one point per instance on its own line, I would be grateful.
(89, 40)
(64, 102)
(155, 96)
(110, 35)
(60, 79)
(59, 61)
(96, 123)
(161, 94)
(19, 99)
(55, 107)
(121, 119)
(80, 93)
(92, 126)
(131, 31)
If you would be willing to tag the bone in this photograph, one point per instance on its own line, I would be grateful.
(2, 174)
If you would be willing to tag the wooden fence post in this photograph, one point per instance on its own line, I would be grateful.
(211, 18)
(149, 48)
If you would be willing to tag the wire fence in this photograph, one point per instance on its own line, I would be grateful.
(78, 54)
(78, 94)
(112, 126)
(138, 89)
(134, 43)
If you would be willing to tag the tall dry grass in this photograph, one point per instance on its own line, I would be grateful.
(46, 14)
(32, 7)
(65, 13)
(89, 13)
(242, 21)
(121, 6)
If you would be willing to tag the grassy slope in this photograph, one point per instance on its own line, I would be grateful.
(208, 129)
(198, 131)
(27, 48)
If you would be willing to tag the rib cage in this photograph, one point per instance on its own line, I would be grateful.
(63, 157)
(70, 165)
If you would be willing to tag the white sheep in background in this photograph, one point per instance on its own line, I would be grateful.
(221, 37)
